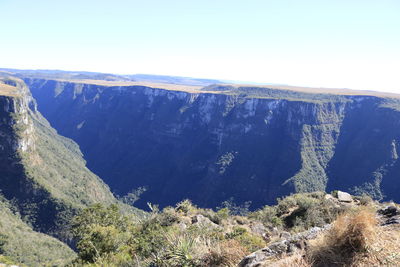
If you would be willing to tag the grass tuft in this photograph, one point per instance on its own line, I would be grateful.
(352, 236)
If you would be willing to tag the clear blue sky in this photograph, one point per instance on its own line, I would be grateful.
(335, 43)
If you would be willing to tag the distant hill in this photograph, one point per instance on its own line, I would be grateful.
(85, 75)
(173, 79)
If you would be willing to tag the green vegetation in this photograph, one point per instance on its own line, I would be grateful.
(44, 183)
(179, 236)
(186, 235)
(242, 92)
(55, 181)
(19, 244)
(58, 165)
(299, 212)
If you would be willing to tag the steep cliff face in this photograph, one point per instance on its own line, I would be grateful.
(210, 147)
(42, 174)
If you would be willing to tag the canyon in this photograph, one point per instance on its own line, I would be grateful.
(218, 142)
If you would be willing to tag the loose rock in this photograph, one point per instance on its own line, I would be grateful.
(344, 197)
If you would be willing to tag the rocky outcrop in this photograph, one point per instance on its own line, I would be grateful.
(284, 247)
(389, 215)
(203, 222)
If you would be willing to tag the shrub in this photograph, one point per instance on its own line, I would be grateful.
(120, 259)
(365, 200)
(267, 215)
(302, 211)
(98, 215)
(223, 213)
(100, 241)
(185, 207)
(148, 238)
(249, 241)
(99, 231)
(168, 217)
(237, 231)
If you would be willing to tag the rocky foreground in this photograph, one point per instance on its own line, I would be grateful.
(385, 219)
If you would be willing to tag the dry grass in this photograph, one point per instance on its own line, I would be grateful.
(385, 251)
(356, 240)
(7, 90)
(297, 259)
(197, 89)
(227, 253)
(166, 86)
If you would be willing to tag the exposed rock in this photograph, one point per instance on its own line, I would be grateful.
(344, 197)
(290, 245)
(390, 211)
(285, 235)
(329, 197)
(258, 228)
(274, 231)
(389, 215)
(202, 221)
(392, 220)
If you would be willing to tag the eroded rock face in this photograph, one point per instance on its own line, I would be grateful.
(210, 147)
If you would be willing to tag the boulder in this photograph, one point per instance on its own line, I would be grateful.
(203, 221)
(344, 197)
